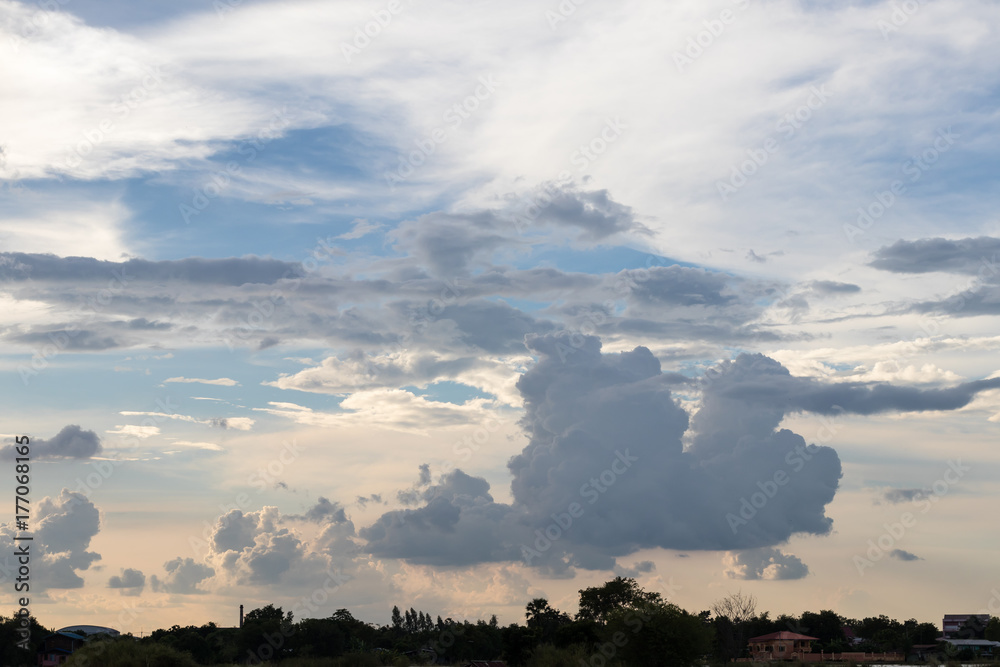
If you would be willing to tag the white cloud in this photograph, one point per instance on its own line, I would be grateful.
(393, 409)
(136, 431)
(221, 382)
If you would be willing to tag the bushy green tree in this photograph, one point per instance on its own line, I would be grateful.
(129, 652)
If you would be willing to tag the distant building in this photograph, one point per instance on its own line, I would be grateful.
(981, 648)
(88, 630)
(58, 647)
(782, 645)
(61, 644)
(953, 623)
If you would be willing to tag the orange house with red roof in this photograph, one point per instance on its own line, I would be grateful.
(782, 645)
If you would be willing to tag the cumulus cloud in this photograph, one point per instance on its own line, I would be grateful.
(727, 477)
(770, 564)
(253, 547)
(183, 577)
(901, 554)
(72, 442)
(593, 418)
(63, 528)
(130, 581)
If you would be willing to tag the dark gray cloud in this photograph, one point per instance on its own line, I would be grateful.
(764, 384)
(678, 286)
(323, 511)
(72, 442)
(896, 496)
(183, 577)
(594, 213)
(969, 256)
(447, 244)
(830, 288)
(727, 478)
(494, 327)
(68, 339)
(593, 419)
(228, 271)
(900, 554)
(459, 524)
(771, 564)
(132, 581)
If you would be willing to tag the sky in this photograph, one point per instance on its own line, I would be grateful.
(453, 305)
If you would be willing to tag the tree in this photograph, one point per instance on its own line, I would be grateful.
(125, 652)
(544, 619)
(397, 619)
(657, 633)
(826, 626)
(621, 593)
(738, 611)
(536, 611)
(993, 629)
(270, 612)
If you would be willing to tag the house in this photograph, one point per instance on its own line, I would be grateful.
(782, 645)
(981, 648)
(953, 624)
(57, 647)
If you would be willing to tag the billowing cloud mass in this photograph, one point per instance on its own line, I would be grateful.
(607, 473)
(763, 564)
(183, 577)
(594, 419)
(130, 581)
(72, 442)
(62, 529)
(254, 547)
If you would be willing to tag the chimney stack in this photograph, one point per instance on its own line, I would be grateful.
(241, 616)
